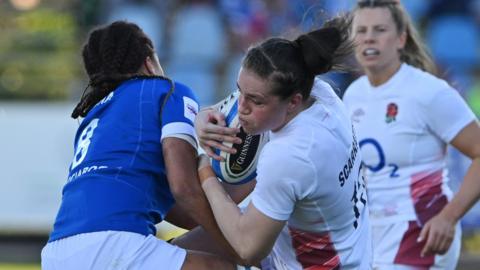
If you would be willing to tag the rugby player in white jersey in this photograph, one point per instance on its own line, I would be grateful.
(309, 207)
(405, 117)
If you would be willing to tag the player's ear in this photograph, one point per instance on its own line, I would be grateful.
(402, 40)
(149, 66)
(295, 101)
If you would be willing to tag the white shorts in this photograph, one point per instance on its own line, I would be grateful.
(111, 250)
(395, 247)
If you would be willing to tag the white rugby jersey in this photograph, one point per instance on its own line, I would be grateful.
(309, 174)
(403, 127)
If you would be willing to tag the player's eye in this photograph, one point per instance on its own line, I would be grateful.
(257, 102)
(361, 30)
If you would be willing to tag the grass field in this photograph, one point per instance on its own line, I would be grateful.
(19, 267)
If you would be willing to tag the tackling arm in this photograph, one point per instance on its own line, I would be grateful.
(181, 163)
(252, 234)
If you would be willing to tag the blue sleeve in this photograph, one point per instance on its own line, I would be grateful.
(179, 112)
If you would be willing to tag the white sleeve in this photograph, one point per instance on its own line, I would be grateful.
(188, 138)
(447, 114)
(281, 182)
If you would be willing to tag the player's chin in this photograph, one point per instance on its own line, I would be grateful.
(250, 130)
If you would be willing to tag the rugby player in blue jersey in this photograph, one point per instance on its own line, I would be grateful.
(134, 165)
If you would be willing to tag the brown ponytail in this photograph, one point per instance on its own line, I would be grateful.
(291, 66)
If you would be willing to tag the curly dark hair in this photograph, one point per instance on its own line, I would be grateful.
(111, 55)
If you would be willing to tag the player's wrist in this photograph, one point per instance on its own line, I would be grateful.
(450, 214)
(206, 173)
(205, 183)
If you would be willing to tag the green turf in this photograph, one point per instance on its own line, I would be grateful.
(19, 266)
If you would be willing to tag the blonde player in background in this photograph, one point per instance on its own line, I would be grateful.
(405, 117)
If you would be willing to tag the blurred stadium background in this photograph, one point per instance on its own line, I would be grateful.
(199, 43)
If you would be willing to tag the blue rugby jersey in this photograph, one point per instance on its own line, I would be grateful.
(117, 179)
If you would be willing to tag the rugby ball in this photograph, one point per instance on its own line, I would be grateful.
(240, 167)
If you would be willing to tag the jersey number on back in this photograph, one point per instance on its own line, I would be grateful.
(83, 143)
(358, 198)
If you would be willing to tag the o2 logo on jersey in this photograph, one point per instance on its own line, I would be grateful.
(381, 158)
(83, 143)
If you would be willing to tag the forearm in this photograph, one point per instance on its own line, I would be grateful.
(197, 207)
(239, 192)
(182, 218)
(468, 194)
(230, 222)
(189, 197)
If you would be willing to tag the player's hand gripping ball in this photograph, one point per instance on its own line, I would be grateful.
(240, 167)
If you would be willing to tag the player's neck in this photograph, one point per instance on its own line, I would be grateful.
(380, 76)
(305, 105)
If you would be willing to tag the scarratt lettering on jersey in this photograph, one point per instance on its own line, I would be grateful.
(347, 168)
